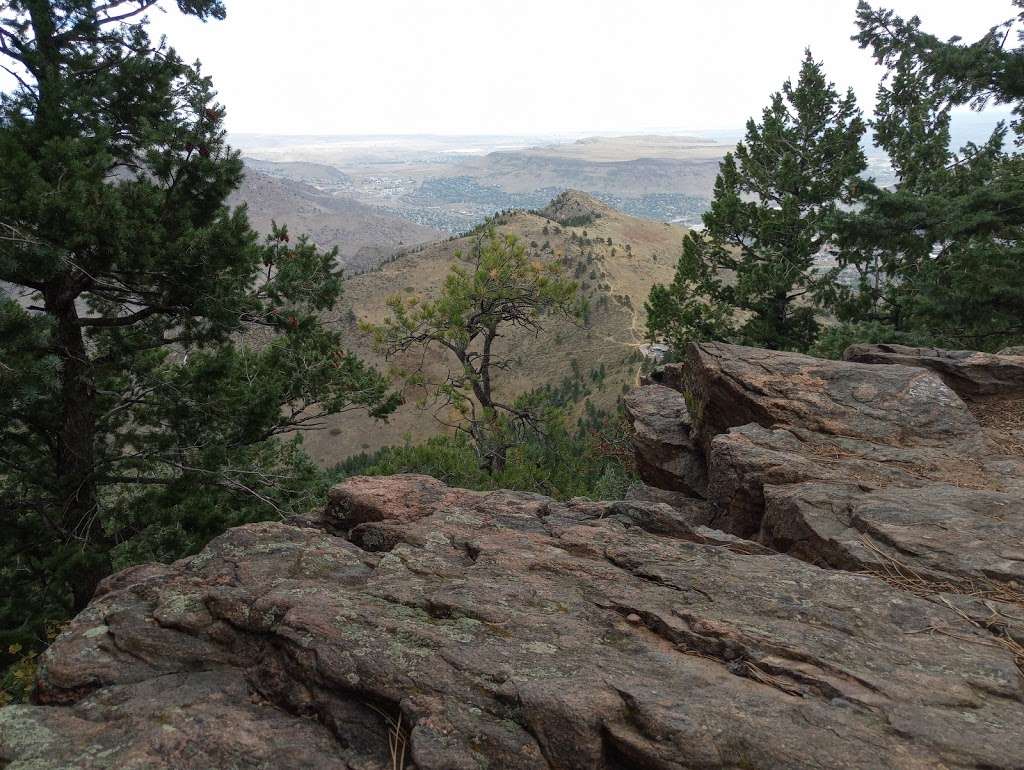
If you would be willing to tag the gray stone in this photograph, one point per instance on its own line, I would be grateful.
(969, 373)
(666, 456)
(506, 630)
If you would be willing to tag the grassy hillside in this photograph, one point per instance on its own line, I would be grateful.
(364, 235)
(574, 230)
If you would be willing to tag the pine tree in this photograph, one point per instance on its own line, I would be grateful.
(153, 353)
(750, 276)
(490, 290)
(938, 254)
(979, 73)
(880, 246)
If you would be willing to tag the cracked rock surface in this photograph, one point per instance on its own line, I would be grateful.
(847, 594)
(665, 453)
(508, 630)
(903, 463)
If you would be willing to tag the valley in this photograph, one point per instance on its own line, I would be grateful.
(363, 234)
(614, 257)
(452, 183)
(399, 209)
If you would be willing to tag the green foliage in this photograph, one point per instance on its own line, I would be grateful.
(17, 681)
(977, 73)
(934, 258)
(684, 311)
(835, 339)
(939, 254)
(154, 356)
(580, 220)
(768, 220)
(497, 287)
(591, 461)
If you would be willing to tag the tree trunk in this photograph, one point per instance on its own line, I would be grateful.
(780, 306)
(83, 585)
(76, 439)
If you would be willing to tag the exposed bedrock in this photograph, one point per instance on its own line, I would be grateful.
(508, 630)
(666, 455)
(873, 465)
(969, 373)
(846, 594)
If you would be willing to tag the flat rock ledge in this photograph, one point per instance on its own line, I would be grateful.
(845, 592)
(970, 374)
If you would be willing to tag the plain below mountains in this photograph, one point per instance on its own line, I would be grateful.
(451, 183)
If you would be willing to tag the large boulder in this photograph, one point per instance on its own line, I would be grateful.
(880, 469)
(729, 386)
(666, 456)
(969, 373)
(895, 460)
(507, 630)
(744, 460)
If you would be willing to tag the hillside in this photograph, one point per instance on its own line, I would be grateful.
(316, 174)
(364, 234)
(616, 278)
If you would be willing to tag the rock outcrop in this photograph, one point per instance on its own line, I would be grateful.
(873, 465)
(666, 456)
(894, 405)
(844, 593)
(969, 373)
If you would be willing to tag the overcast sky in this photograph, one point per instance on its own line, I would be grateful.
(529, 66)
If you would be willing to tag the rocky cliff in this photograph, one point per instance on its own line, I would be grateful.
(825, 572)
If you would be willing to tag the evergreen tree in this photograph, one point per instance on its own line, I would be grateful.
(496, 288)
(152, 352)
(879, 248)
(938, 254)
(750, 276)
(985, 71)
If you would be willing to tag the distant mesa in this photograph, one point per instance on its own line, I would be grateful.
(574, 208)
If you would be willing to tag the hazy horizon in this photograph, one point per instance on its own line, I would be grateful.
(966, 126)
(527, 67)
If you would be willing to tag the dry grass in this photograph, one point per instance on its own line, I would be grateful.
(906, 578)
(762, 676)
(398, 737)
(1000, 639)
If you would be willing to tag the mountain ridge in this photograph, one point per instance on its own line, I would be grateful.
(614, 276)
